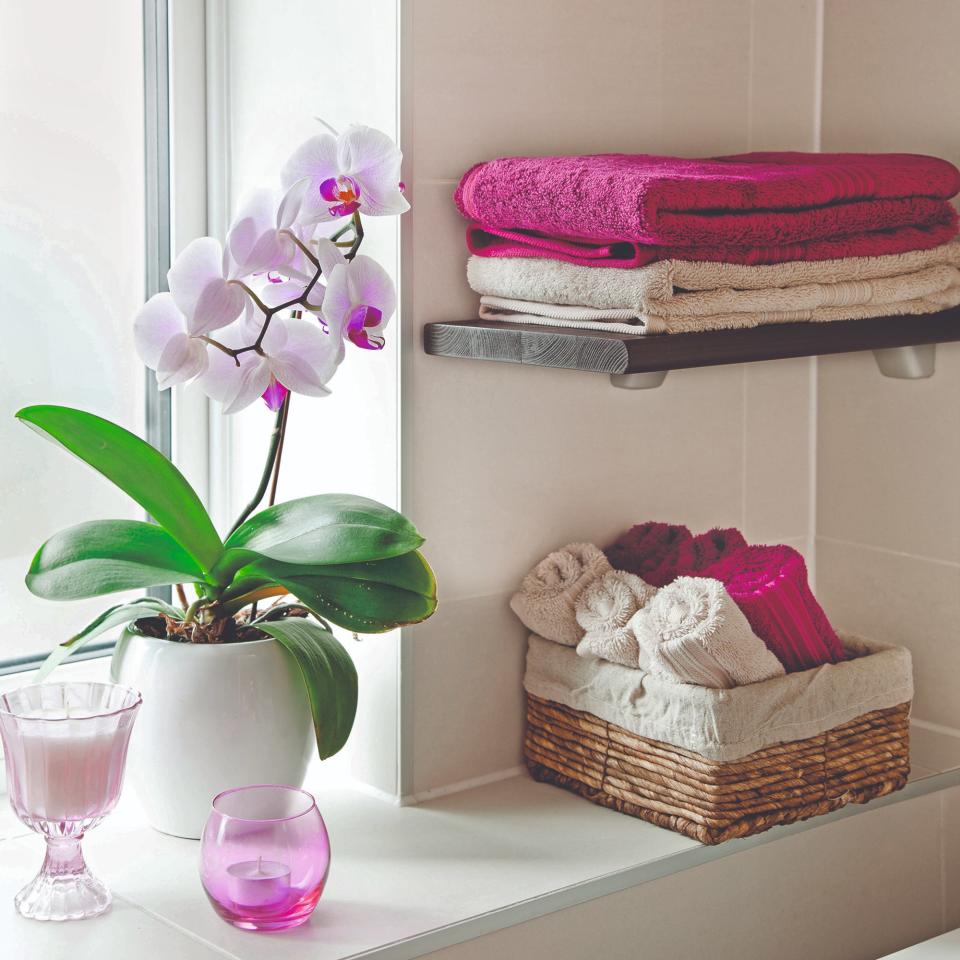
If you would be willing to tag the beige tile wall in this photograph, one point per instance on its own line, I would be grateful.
(888, 515)
(502, 464)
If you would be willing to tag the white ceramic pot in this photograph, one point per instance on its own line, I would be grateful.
(214, 716)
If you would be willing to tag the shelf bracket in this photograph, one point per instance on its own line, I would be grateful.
(907, 363)
(638, 381)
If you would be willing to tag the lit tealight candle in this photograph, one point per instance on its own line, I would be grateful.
(259, 883)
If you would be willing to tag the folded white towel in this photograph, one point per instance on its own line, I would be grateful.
(546, 600)
(604, 611)
(694, 633)
(679, 296)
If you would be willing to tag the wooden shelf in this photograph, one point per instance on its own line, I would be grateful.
(620, 353)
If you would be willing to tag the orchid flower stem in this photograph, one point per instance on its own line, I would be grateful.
(303, 300)
(307, 252)
(336, 236)
(271, 469)
(272, 499)
(191, 613)
(219, 346)
(275, 439)
(357, 236)
(260, 304)
(284, 412)
(181, 596)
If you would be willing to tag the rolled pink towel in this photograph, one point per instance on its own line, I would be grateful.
(546, 600)
(702, 551)
(649, 550)
(769, 584)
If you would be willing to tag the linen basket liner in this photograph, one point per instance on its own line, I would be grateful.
(723, 725)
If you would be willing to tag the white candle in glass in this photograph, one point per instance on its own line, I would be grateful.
(67, 767)
(259, 883)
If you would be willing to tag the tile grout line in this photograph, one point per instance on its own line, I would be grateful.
(936, 727)
(890, 552)
(943, 862)
(744, 459)
(751, 68)
(813, 450)
(220, 951)
(819, 17)
(460, 786)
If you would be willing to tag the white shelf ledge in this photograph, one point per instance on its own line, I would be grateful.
(945, 947)
(405, 881)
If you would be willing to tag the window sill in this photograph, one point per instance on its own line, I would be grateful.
(405, 881)
(945, 947)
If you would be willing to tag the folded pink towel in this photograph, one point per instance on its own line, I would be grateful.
(751, 199)
(694, 556)
(649, 550)
(769, 584)
(488, 241)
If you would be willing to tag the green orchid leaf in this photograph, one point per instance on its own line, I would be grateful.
(370, 597)
(280, 610)
(118, 616)
(141, 471)
(104, 556)
(329, 674)
(332, 528)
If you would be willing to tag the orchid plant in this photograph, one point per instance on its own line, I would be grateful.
(271, 313)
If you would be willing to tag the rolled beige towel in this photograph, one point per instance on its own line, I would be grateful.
(604, 611)
(693, 632)
(545, 602)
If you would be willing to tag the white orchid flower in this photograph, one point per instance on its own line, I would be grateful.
(162, 339)
(168, 326)
(263, 236)
(359, 301)
(358, 170)
(297, 355)
(199, 282)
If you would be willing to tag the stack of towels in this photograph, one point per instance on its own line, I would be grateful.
(710, 610)
(648, 244)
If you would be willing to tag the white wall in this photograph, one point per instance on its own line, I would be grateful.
(503, 463)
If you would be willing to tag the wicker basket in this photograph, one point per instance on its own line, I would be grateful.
(709, 800)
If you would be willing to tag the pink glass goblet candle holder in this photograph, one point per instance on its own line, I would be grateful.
(65, 746)
(264, 857)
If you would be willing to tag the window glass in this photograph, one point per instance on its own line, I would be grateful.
(72, 276)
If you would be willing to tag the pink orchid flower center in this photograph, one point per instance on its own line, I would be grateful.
(359, 320)
(342, 193)
(275, 394)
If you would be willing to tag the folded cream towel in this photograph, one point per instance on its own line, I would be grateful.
(677, 296)
(650, 323)
(545, 602)
(694, 633)
(604, 610)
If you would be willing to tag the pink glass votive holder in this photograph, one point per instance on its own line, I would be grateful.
(65, 747)
(264, 856)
